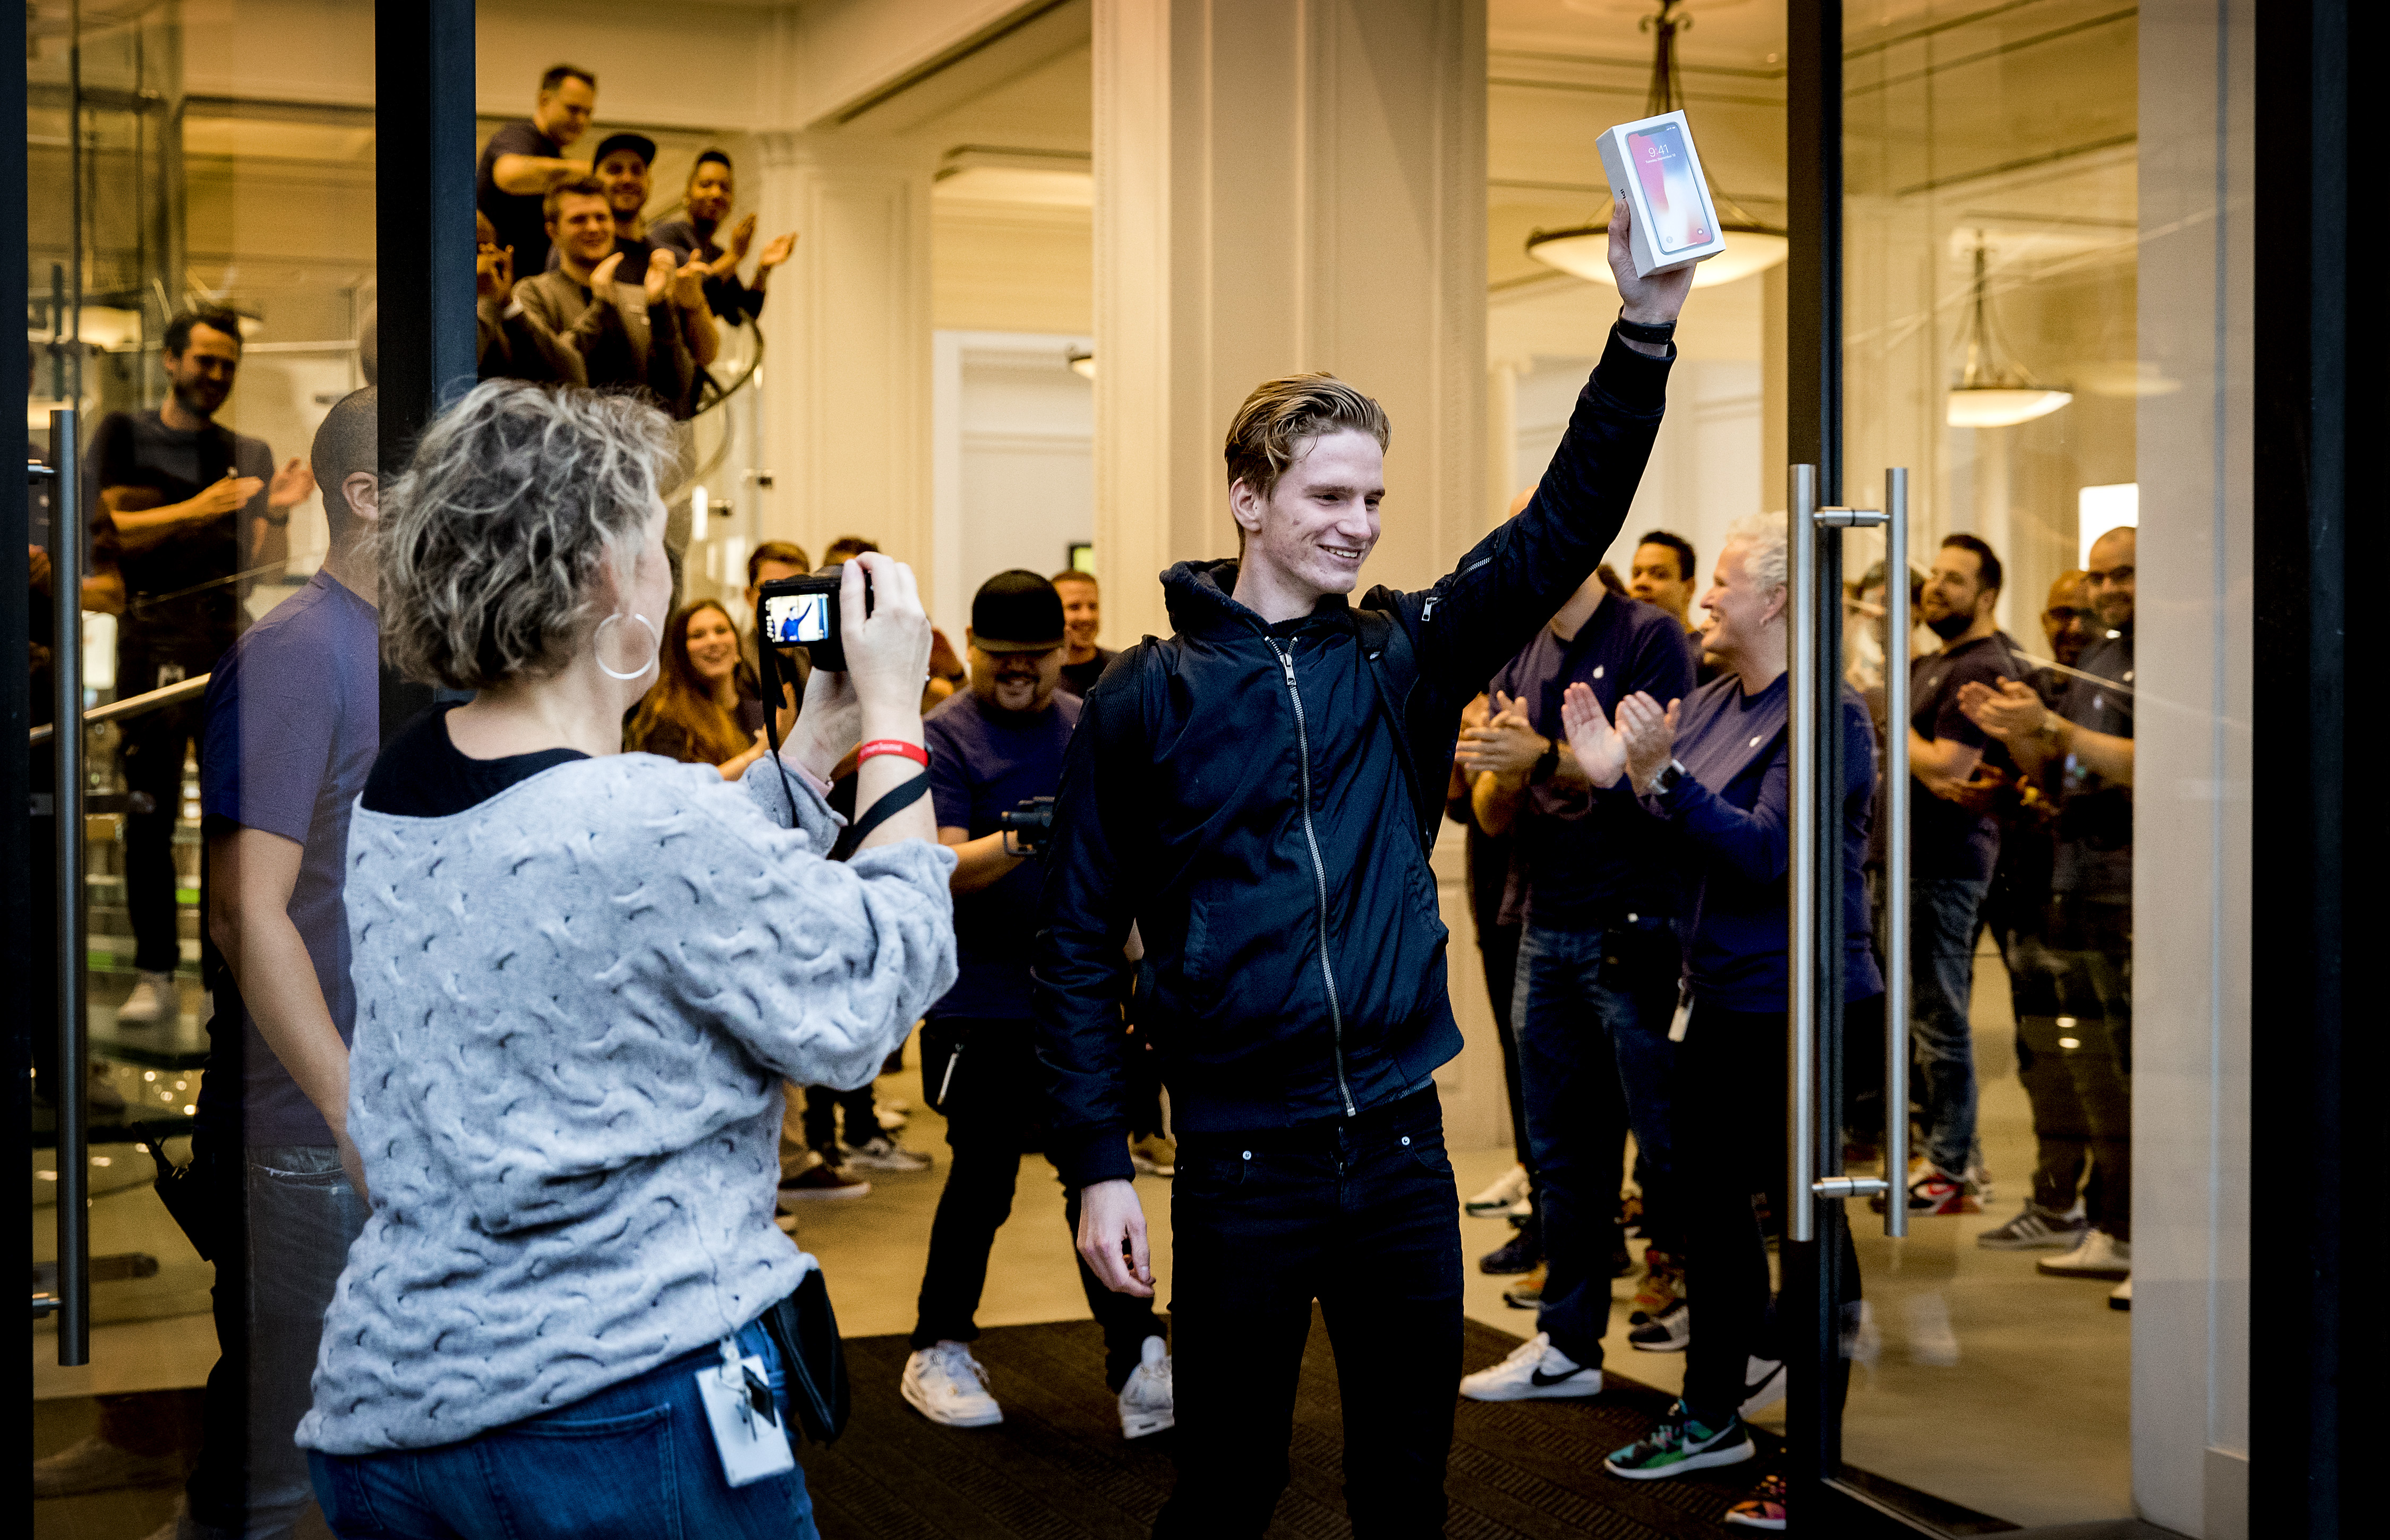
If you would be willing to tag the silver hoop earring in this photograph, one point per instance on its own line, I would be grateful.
(655, 645)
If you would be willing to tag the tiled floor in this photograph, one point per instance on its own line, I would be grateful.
(1988, 1385)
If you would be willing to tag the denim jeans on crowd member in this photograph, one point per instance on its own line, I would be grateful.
(1942, 983)
(1361, 1214)
(992, 1099)
(635, 1458)
(270, 1300)
(1592, 1009)
(1731, 1133)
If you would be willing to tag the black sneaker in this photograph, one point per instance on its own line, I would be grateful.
(1519, 1254)
(1668, 1332)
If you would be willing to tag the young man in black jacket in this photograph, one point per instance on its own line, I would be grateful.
(1257, 795)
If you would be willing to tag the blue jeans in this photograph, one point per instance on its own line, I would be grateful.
(1592, 1009)
(634, 1461)
(302, 1215)
(1361, 1214)
(1942, 984)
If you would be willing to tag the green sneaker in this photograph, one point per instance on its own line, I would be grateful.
(1680, 1443)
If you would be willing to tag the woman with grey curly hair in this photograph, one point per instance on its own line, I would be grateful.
(583, 977)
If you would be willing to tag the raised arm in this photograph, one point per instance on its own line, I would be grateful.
(1481, 614)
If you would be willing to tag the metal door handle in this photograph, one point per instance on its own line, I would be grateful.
(74, 1293)
(1817, 708)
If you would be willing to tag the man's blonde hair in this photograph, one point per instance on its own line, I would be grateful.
(1281, 416)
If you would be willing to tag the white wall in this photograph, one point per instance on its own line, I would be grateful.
(1704, 470)
(1013, 453)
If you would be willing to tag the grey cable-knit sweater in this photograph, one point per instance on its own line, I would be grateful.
(576, 1003)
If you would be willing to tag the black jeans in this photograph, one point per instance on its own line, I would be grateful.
(1731, 1136)
(1362, 1215)
(153, 748)
(822, 1107)
(992, 1100)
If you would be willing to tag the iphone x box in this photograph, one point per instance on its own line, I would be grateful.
(1655, 171)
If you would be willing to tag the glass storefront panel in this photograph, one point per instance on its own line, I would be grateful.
(2041, 299)
(201, 232)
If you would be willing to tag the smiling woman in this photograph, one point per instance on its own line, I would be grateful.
(703, 708)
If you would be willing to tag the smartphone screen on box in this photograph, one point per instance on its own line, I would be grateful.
(1655, 171)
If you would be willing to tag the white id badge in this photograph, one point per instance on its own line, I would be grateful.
(746, 1421)
(1684, 1016)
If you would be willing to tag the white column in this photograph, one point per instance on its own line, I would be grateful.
(1280, 187)
(846, 370)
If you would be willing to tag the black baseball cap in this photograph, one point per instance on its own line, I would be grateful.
(638, 143)
(1016, 612)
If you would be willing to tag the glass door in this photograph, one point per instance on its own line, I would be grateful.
(2042, 269)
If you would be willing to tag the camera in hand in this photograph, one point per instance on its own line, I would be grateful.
(803, 612)
(1027, 828)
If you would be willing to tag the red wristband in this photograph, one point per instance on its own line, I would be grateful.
(913, 752)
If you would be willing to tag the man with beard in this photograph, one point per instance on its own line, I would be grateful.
(698, 236)
(184, 505)
(992, 746)
(1954, 845)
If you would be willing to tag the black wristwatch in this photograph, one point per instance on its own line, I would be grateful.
(1638, 332)
(1548, 762)
(1667, 780)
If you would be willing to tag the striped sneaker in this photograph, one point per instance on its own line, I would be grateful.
(1679, 1443)
(2037, 1228)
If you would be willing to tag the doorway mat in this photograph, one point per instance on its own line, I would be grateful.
(1057, 1467)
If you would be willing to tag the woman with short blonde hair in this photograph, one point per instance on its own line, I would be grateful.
(582, 977)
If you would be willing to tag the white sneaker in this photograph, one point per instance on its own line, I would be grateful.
(1145, 1402)
(2121, 1297)
(1762, 1386)
(885, 1154)
(892, 1117)
(2099, 1256)
(1508, 1190)
(948, 1386)
(1535, 1370)
(154, 999)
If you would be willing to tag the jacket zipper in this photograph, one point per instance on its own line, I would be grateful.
(1319, 873)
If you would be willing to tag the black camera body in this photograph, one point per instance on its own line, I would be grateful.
(803, 612)
(1027, 827)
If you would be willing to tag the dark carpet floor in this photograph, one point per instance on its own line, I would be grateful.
(1058, 1469)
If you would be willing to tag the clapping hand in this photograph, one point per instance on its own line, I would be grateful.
(1600, 749)
(291, 486)
(688, 286)
(659, 277)
(1650, 734)
(1507, 744)
(742, 234)
(2011, 712)
(493, 274)
(601, 278)
(778, 251)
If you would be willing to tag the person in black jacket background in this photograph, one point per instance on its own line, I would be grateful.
(1257, 795)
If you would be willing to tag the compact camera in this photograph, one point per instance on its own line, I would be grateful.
(803, 612)
(1028, 827)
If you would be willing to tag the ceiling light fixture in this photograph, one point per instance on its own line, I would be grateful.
(1989, 394)
(1584, 249)
(1082, 363)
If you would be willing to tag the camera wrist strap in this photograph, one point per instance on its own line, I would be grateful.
(897, 801)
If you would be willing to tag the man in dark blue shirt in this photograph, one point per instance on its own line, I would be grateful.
(992, 748)
(1954, 845)
(1599, 966)
(293, 723)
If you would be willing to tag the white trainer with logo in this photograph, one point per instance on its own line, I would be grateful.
(1535, 1371)
(1145, 1402)
(947, 1385)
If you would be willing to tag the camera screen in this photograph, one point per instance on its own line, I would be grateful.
(796, 619)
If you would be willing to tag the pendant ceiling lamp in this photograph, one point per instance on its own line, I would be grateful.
(1991, 394)
(1584, 249)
